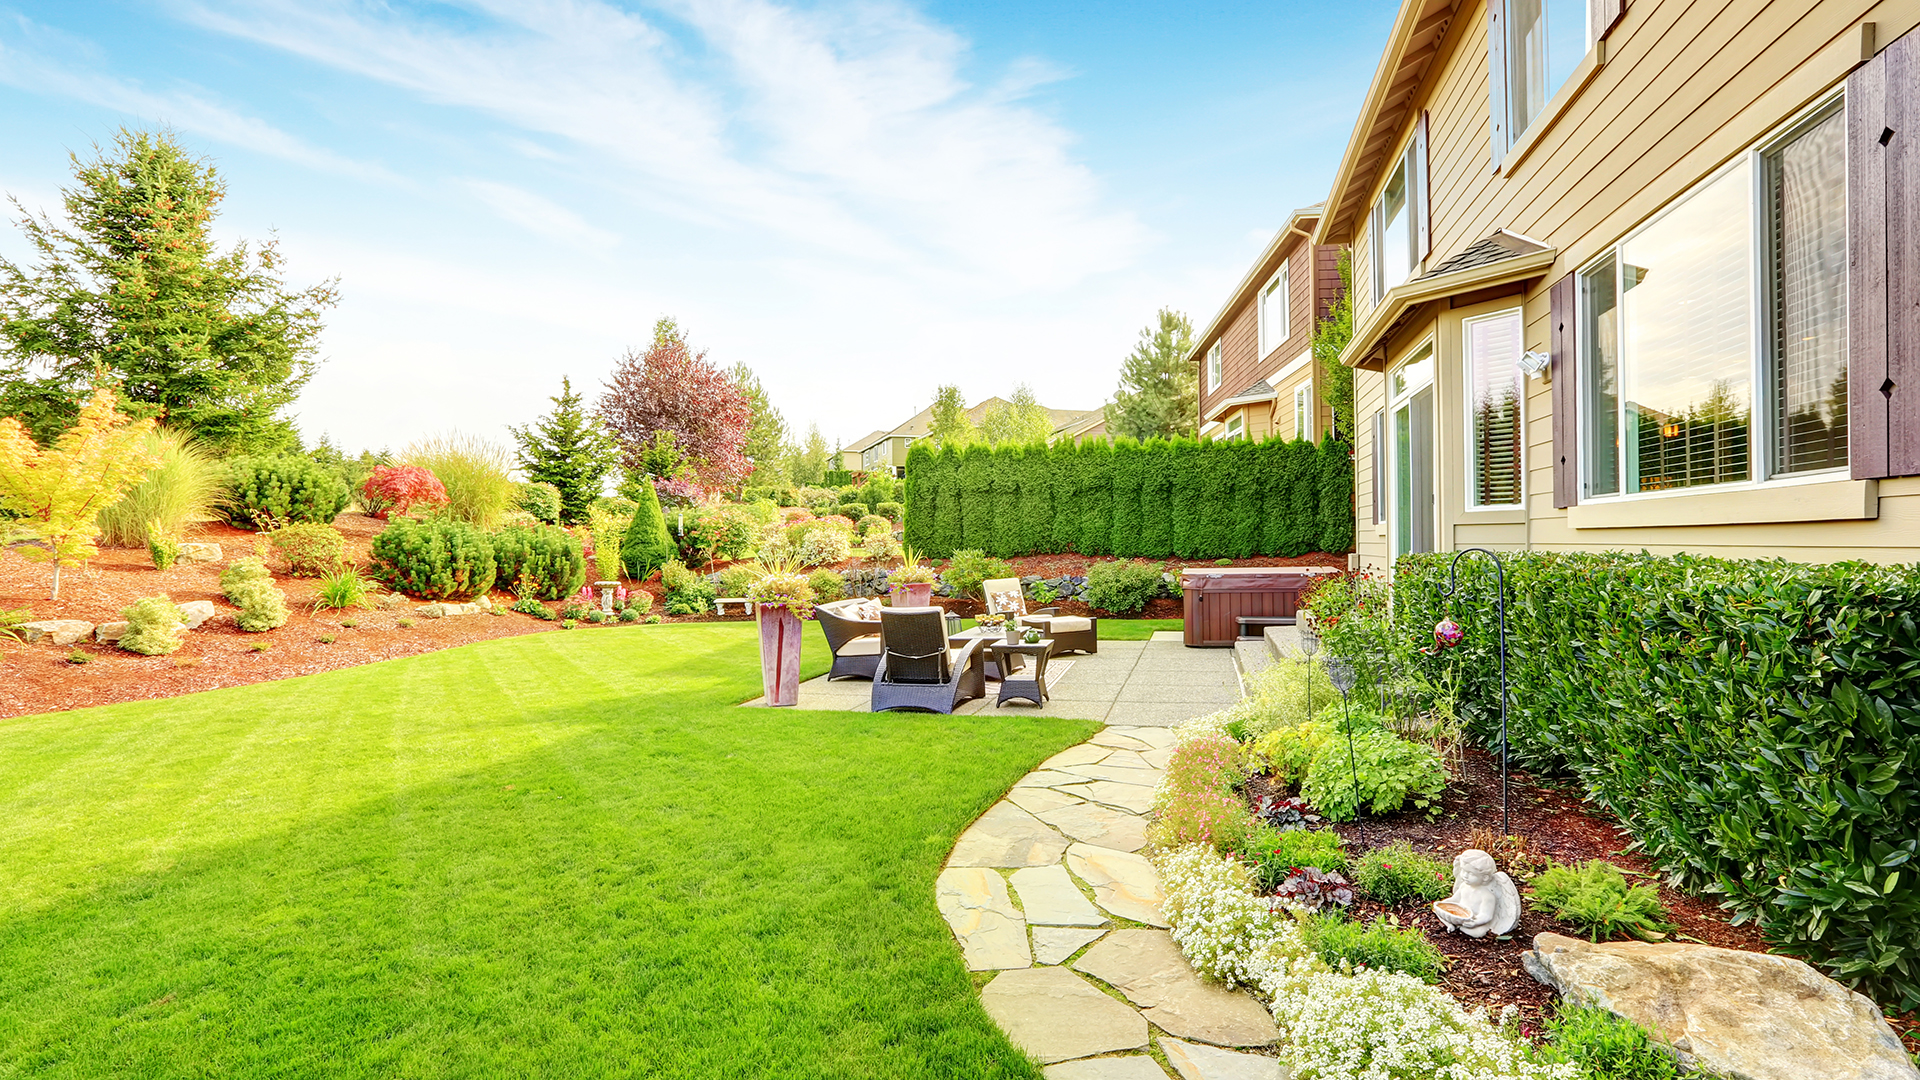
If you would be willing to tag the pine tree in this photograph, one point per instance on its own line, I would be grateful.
(648, 545)
(570, 449)
(766, 442)
(209, 343)
(1159, 393)
(809, 462)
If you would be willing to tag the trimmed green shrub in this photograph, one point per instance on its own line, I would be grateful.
(1156, 524)
(263, 492)
(438, 559)
(1345, 944)
(162, 549)
(1397, 872)
(308, 550)
(1123, 587)
(894, 512)
(1093, 491)
(1378, 770)
(735, 580)
(545, 560)
(155, 626)
(1595, 896)
(1336, 496)
(648, 545)
(828, 586)
(1754, 724)
(1009, 532)
(262, 606)
(969, 567)
(540, 500)
(838, 478)
(688, 593)
(1272, 853)
(244, 569)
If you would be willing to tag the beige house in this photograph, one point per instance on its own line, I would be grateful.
(1255, 359)
(1638, 275)
(888, 449)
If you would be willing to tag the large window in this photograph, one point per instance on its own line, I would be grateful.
(1494, 409)
(1273, 312)
(1395, 233)
(1675, 379)
(1213, 367)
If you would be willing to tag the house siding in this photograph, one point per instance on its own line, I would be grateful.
(1685, 87)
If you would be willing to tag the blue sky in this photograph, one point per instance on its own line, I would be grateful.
(861, 201)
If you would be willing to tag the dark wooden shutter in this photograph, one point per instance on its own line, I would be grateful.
(1497, 77)
(1566, 398)
(1605, 14)
(1423, 216)
(1883, 279)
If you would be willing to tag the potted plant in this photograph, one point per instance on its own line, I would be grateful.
(912, 584)
(781, 598)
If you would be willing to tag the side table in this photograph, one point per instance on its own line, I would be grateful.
(1031, 685)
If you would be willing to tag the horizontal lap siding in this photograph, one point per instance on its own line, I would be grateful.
(1688, 84)
(1370, 395)
(1237, 344)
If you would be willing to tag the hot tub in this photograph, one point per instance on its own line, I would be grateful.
(1225, 604)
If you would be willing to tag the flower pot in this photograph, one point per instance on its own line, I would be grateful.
(1013, 634)
(779, 655)
(913, 594)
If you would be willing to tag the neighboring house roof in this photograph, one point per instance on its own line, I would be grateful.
(1080, 423)
(1252, 395)
(1503, 258)
(1385, 114)
(864, 442)
(1300, 222)
(921, 422)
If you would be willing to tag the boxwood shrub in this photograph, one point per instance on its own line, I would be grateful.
(267, 491)
(550, 558)
(1755, 723)
(436, 559)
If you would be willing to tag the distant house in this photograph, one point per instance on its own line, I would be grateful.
(1637, 275)
(888, 449)
(1257, 374)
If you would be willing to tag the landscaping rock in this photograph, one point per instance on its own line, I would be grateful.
(1050, 898)
(975, 903)
(1141, 777)
(1749, 1016)
(1131, 1067)
(1147, 966)
(1196, 1061)
(1056, 1015)
(443, 611)
(1007, 836)
(197, 612)
(1082, 754)
(1053, 944)
(108, 633)
(1117, 741)
(55, 631)
(1098, 825)
(200, 552)
(1123, 883)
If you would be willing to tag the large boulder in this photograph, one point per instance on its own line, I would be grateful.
(56, 631)
(200, 552)
(1748, 1016)
(197, 612)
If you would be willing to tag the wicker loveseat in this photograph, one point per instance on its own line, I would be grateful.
(853, 639)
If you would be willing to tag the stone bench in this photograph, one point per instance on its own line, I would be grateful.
(720, 604)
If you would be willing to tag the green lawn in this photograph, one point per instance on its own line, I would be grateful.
(1124, 629)
(560, 855)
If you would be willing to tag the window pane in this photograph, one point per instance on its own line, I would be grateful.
(1273, 315)
(1493, 387)
(1395, 250)
(1687, 337)
(1807, 188)
(1600, 344)
(1548, 38)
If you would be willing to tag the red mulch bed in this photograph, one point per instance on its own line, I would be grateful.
(1555, 823)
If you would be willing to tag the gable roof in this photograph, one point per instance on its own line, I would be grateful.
(1261, 390)
(1386, 113)
(1300, 222)
(864, 442)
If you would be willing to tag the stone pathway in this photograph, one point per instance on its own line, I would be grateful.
(1048, 890)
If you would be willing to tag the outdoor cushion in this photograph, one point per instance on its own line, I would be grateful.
(861, 646)
(863, 610)
(1004, 596)
(1061, 624)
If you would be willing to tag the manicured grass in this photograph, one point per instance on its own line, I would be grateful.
(1135, 629)
(560, 855)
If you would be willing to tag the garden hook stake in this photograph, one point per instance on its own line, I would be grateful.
(1340, 673)
(1448, 628)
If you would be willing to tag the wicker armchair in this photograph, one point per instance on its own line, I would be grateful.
(1070, 633)
(855, 643)
(918, 668)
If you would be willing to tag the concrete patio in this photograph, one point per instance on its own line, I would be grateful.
(1155, 683)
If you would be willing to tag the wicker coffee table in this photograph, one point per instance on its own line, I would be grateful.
(1031, 684)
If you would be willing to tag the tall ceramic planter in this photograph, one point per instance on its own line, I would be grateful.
(779, 655)
(913, 594)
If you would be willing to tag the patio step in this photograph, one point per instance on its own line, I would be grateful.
(1251, 654)
(1282, 642)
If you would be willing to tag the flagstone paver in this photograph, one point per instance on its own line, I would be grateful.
(1098, 825)
(1123, 883)
(1050, 778)
(1083, 754)
(975, 903)
(1008, 836)
(1118, 759)
(1137, 798)
(1050, 898)
(1142, 776)
(1114, 739)
(1054, 944)
(1127, 1067)
(1147, 966)
(1056, 1015)
(1039, 800)
(1197, 1061)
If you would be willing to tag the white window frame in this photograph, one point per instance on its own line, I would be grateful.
(1500, 85)
(1431, 346)
(1213, 367)
(1236, 426)
(1271, 337)
(1466, 405)
(1408, 165)
(1303, 410)
(1760, 430)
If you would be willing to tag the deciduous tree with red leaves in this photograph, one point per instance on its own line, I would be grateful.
(670, 387)
(401, 488)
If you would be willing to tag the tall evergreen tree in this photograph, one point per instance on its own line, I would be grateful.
(1159, 395)
(810, 461)
(648, 545)
(569, 448)
(950, 425)
(1017, 422)
(206, 341)
(766, 442)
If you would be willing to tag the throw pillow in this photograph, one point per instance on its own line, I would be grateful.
(1009, 601)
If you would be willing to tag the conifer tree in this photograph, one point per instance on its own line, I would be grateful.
(570, 449)
(648, 545)
(949, 425)
(1159, 395)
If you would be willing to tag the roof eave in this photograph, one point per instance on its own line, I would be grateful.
(1254, 277)
(1403, 297)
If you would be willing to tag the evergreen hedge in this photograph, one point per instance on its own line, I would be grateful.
(1181, 497)
(1756, 725)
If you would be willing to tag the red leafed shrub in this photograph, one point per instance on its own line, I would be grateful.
(401, 487)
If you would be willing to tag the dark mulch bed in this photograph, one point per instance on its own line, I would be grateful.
(1555, 823)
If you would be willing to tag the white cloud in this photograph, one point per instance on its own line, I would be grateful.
(850, 131)
(539, 215)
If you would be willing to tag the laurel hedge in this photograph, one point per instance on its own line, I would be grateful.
(1179, 498)
(1756, 724)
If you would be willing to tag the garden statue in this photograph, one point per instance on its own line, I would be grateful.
(1484, 900)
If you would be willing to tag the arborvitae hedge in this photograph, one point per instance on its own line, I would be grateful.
(1184, 498)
